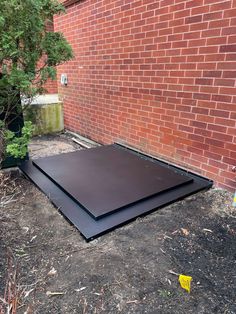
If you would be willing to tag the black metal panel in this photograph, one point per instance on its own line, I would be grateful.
(91, 228)
(108, 178)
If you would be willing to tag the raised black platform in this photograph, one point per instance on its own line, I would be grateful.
(90, 227)
(108, 178)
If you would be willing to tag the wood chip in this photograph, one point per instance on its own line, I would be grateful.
(173, 273)
(53, 294)
(80, 289)
(207, 230)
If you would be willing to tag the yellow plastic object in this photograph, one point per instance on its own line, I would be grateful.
(185, 282)
(234, 200)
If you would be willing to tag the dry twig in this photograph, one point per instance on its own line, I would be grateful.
(12, 294)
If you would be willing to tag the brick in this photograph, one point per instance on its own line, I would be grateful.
(230, 161)
(201, 96)
(197, 138)
(194, 3)
(208, 49)
(207, 104)
(219, 23)
(175, 37)
(231, 57)
(198, 124)
(228, 48)
(212, 73)
(231, 131)
(226, 65)
(225, 122)
(179, 44)
(184, 95)
(217, 128)
(216, 41)
(176, 22)
(231, 147)
(166, 17)
(192, 35)
(229, 31)
(233, 155)
(212, 16)
(197, 42)
(214, 142)
(192, 73)
(211, 33)
(221, 98)
(209, 89)
(233, 21)
(228, 107)
(177, 7)
(200, 10)
(204, 133)
(229, 74)
(200, 110)
(182, 13)
(193, 19)
(221, 6)
(208, 119)
(233, 115)
(219, 113)
(229, 13)
(198, 26)
(212, 156)
(153, 6)
(206, 65)
(203, 81)
(181, 29)
(228, 90)
(224, 82)
(215, 57)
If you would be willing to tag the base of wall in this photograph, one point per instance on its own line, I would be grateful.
(46, 113)
(83, 139)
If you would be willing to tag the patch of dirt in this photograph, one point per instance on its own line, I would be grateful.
(47, 145)
(127, 270)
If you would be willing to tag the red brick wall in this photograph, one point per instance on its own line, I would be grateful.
(157, 75)
(51, 87)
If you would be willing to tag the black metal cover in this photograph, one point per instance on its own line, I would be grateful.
(108, 178)
(90, 227)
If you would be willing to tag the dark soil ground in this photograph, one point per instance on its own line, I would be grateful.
(125, 271)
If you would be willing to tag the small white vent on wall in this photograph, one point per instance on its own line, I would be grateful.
(64, 79)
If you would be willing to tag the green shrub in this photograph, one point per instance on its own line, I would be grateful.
(29, 53)
(18, 146)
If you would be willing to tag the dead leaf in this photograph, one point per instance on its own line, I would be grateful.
(52, 272)
(185, 231)
(26, 229)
